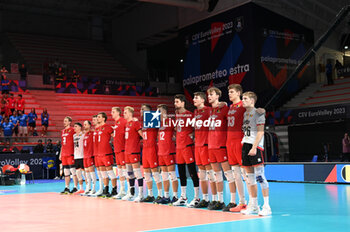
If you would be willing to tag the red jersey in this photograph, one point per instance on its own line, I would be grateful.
(218, 128)
(20, 104)
(67, 141)
(132, 137)
(11, 103)
(149, 137)
(88, 145)
(94, 141)
(200, 130)
(104, 135)
(166, 145)
(235, 121)
(119, 135)
(183, 129)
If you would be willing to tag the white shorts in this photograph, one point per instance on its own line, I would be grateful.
(23, 130)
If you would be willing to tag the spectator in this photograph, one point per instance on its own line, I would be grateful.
(11, 103)
(49, 147)
(23, 123)
(60, 76)
(346, 148)
(20, 104)
(44, 122)
(39, 148)
(1, 121)
(4, 105)
(3, 70)
(15, 121)
(32, 117)
(23, 72)
(329, 73)
(75, 76)
(7, 127)
(5, 84)
(57, 150)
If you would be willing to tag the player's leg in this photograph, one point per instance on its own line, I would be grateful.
(211, 177)
(174, 181)
(146, 162)
(237, 171)
(260, 177)
(149, 182)
(166, 182)
(131, 181)
(66, 173)
(218, 200)
(138, 175)
(74, 176)
(122, 173)
(104, 179)
(191, 167)
(113, 178)
(88, 180)
(181, 166)
(99, 175)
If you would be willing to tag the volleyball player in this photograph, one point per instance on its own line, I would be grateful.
(166, 156)
(253, 155)
(201, 115)
(133, 132)
(217, 150)
(67, 155)
(79, 155)
(150, 159)
(105, 153)
(98, 163)
(234, 140)
(184, 151)
(89, 159)
(119, 148)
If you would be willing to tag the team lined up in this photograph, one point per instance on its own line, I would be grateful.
(216, 149)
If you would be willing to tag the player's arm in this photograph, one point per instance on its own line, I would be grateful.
(222, 104)
(261, 111)
(140, 133)
(259, 136)
(60, 153)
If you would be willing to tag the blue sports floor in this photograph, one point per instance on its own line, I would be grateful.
(295, 206)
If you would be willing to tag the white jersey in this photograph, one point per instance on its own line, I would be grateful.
(78, 146)
(251, 121)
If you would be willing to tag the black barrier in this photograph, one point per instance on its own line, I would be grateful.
(36, 162)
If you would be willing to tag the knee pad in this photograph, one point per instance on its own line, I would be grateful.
(218, 177)
(73, 171)
(129, 168)
(120, 172)
(156, 177)
(260, 177)
(229, 176)
(173, 176)
(66, 172)
(131, 175)
(244, 175)
(124, 173)
(202, 175)
(138, 173)
(237, 172)
(148, 177)
(111, 175)
(211, 175)
(104, 174)
(251, 179)
(165, 176)
(79, 175)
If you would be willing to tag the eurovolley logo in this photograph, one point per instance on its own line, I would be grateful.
(151, 119)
